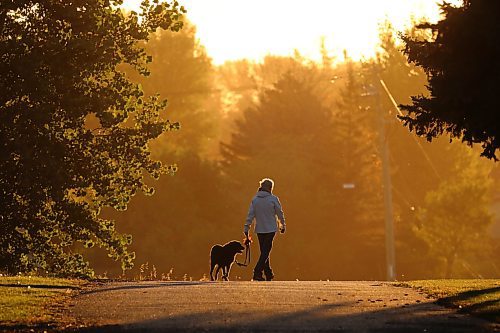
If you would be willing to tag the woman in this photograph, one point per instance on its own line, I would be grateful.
(264, 208)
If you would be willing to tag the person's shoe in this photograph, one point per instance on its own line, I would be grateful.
(258, 278)
(269, 275)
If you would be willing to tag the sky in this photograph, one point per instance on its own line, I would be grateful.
(235, 29)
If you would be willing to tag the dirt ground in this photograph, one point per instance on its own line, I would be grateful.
(278, 306)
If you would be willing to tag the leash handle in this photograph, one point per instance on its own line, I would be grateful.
(247, 241)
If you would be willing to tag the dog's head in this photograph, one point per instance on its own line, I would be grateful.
(235, 246)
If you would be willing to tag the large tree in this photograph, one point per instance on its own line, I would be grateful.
(176, 227)
(74, 131)
(459, 55)
(190, 208)
(292, 136)
(418, 167)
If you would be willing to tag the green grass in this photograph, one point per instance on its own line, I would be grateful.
(478, 297)
(30, 301)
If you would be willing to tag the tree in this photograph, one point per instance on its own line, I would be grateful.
(182, 71)
(418, 167)
(190, 208)
(291, 136)
(177, 226)
(74, 131)
(454, 219)
(358, 164)
(460, 62)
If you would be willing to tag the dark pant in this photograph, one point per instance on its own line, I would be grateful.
(266, 244)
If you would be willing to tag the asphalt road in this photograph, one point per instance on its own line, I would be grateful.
(278, 306)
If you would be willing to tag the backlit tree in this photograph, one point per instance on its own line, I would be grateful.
(459, 55)
(74, 131)
(455, 217)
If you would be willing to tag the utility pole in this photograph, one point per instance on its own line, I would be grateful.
(390, 257)
(387, 184)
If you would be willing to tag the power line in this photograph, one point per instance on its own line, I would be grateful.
(396, 106)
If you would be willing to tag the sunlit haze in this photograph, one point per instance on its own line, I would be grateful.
(235, 29)
(145, 156)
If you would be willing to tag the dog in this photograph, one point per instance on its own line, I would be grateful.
(223, 257)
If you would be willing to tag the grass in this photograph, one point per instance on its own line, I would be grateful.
(477, 297)
(31, 301)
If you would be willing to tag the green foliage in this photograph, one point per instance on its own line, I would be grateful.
(417, 168)
(454, 219)
(460, 60)
(177, 226)
(288, 120)
(188, 210)
(74, 131)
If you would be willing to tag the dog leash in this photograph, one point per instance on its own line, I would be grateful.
(247, 241)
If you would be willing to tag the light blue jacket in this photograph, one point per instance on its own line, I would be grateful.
(265, 207)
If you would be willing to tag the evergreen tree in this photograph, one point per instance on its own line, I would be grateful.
(182, 72)
(459, 54)
(292, 137)
(179, 66)
(418, 167)
(358, 165)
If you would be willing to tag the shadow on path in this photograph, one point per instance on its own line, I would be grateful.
(487, 309)
(27, 328)
(408, 319)
(145, 285)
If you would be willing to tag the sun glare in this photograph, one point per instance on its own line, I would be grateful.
(235, 29)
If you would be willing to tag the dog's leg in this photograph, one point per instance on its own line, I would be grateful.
(217, 273)
(212, 266)
(225, 272)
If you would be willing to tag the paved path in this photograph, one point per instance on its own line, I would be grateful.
(278, 306)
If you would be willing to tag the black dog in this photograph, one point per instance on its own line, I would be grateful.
(223, 257)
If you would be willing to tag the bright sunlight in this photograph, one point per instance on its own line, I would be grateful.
(236, 29)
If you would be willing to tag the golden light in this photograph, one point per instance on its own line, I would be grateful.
(235, 29)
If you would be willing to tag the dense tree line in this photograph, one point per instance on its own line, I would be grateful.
(313, 128)
(285, 118)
